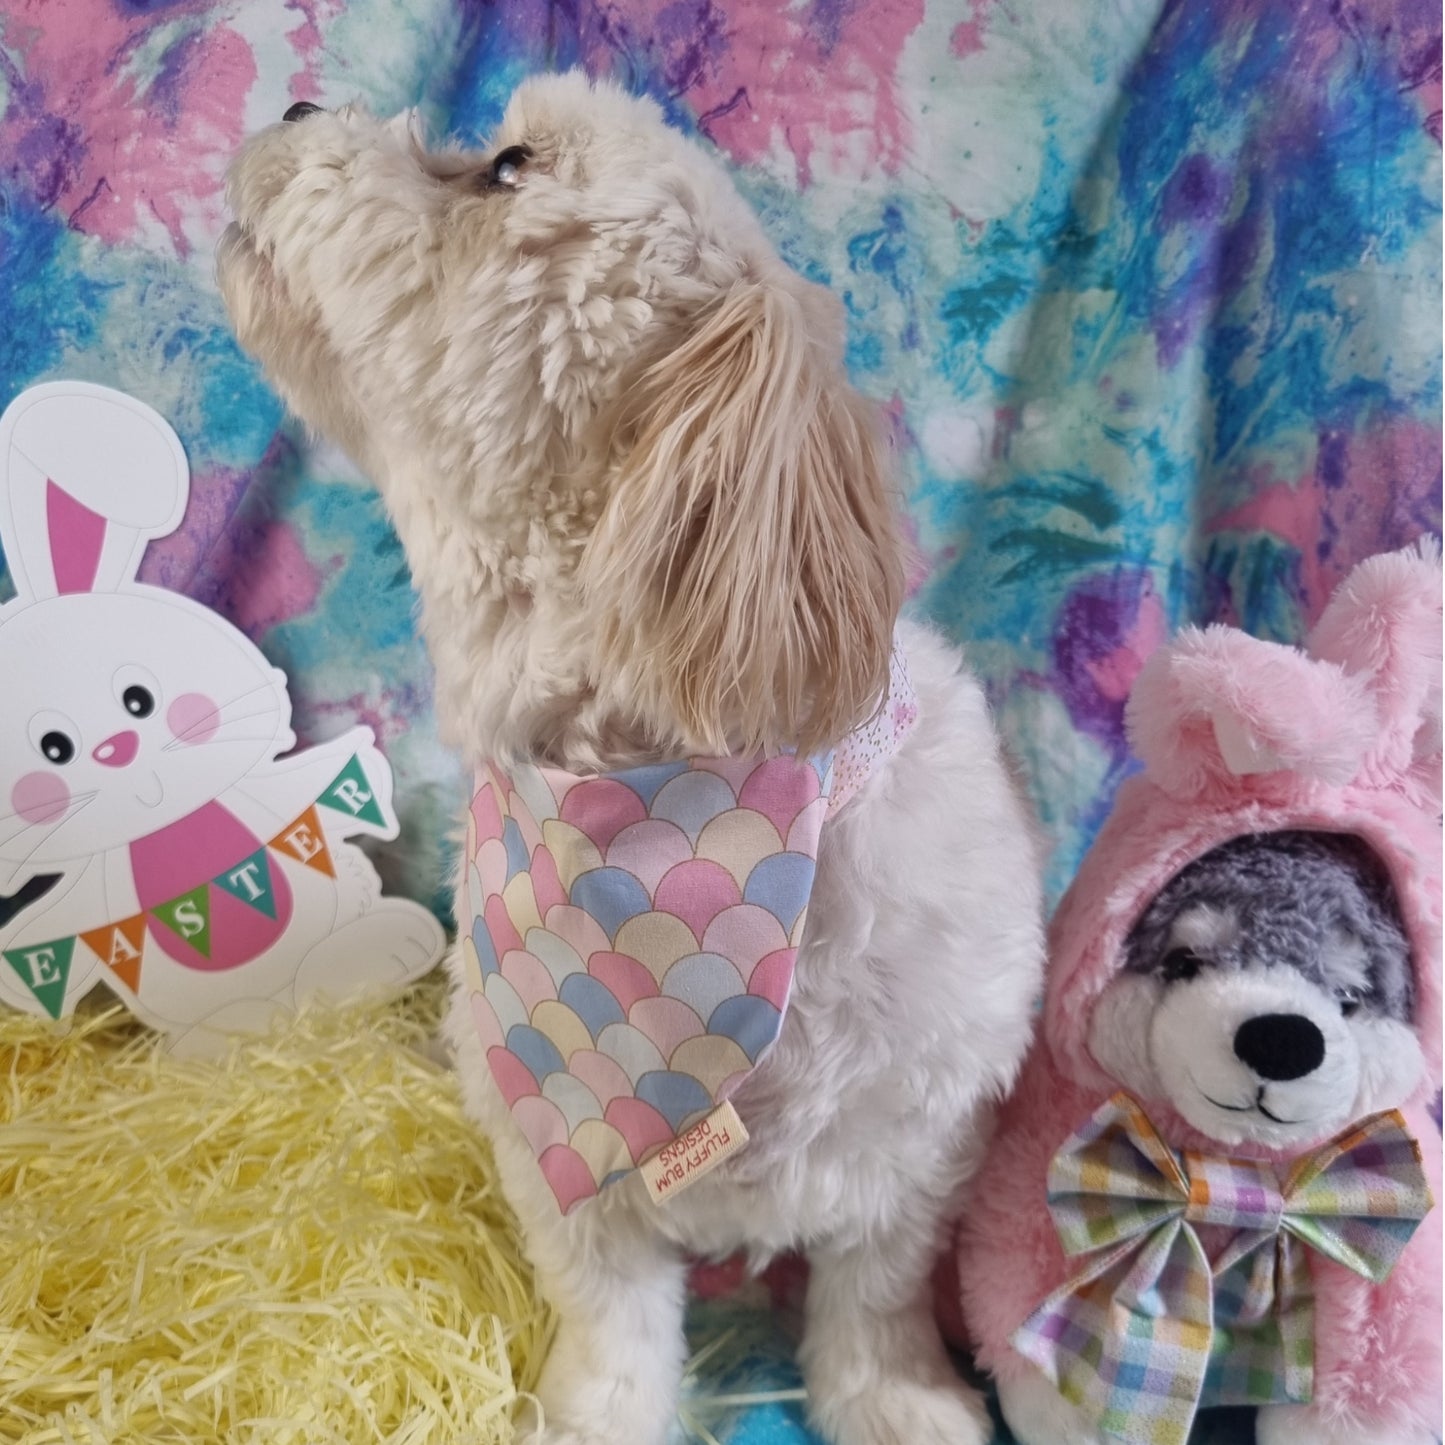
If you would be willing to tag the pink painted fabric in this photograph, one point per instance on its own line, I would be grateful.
(1240, 736)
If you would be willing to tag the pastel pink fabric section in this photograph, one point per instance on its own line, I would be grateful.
(849, 118)
(864, 751)
(1343, 720)
(1353, 724)
(1329, 527)
(157, 137)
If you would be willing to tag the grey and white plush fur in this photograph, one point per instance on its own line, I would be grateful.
(1267, 992)
(647, 516)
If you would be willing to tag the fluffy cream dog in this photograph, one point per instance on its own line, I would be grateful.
(648, 518)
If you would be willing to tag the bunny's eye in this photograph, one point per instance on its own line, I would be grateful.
(138, 701)
(57, 747)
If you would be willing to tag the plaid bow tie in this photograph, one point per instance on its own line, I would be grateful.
(1150, 1330)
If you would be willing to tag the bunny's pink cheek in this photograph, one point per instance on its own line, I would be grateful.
(40, 797)
(193, 718)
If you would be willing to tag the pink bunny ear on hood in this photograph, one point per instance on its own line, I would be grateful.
(1383, 626)
(1218, 705)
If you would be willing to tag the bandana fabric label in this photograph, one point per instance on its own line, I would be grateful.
(698, 1152)
(632, 941)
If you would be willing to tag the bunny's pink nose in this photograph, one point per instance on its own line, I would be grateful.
(119, 749)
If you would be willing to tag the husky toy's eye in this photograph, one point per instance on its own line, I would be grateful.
(138, 701)
(507, 167)
(57, 747)
(1180, 965)
(1349, 1003)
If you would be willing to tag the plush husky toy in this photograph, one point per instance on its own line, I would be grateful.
(1210, 1184)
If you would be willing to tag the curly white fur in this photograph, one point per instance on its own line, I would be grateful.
(647, 515)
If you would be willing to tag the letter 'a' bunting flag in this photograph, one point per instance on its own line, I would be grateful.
(119, 946)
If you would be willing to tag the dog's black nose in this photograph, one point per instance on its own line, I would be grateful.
(300, 110)
(1280, 1046)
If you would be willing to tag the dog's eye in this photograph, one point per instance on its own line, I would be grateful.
(507, 167)
(1180, 964)
(1349, 1003)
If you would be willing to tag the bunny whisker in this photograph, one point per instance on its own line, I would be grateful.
(225, 734)
(208, 731)
(223, 739)
(216, 717)
(76, 803)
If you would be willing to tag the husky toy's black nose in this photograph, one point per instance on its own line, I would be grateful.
(1280, 1046)
(300, 110)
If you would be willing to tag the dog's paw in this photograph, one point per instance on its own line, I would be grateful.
(906, 1412)
(598, 1432)
(555, 1434)
(598, 1412)
(1038, 1415)
(1302, 1425)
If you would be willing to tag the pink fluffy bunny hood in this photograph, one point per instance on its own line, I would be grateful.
(1236, 736)
(1239, 736)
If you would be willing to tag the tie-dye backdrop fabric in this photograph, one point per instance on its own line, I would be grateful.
(1151, 294)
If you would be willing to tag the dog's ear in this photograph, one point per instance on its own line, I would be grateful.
(746, 571)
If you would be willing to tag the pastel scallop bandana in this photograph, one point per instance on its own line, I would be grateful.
(633, 936)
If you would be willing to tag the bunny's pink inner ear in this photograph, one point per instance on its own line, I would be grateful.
(76, 536)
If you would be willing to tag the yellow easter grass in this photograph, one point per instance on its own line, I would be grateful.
(300, 1245)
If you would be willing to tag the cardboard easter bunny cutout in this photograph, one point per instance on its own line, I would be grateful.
(151, 837)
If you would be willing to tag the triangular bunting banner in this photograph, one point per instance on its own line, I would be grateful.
(119, 946)
(43, 969)
(304, 841)
(350, 793)
(250, 881)
(189, 917)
